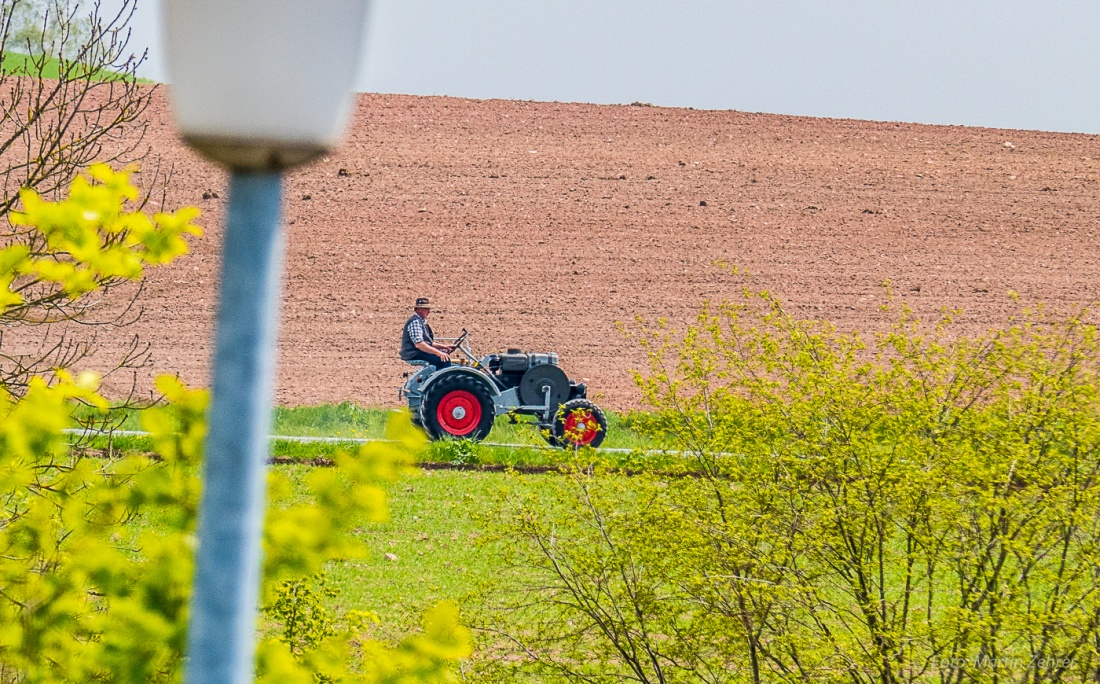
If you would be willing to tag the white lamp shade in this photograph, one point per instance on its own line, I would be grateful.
(263, 84)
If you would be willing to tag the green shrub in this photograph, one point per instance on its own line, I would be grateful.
(922, 507)
(299, 606)
(455, 451)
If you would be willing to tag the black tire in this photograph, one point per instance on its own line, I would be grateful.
(573, 425)
(458, 407)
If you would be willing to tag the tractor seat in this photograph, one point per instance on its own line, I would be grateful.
(415, 364)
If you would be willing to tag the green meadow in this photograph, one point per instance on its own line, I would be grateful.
(19, 64)
(515, 443)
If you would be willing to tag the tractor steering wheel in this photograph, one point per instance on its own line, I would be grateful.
(459, 342)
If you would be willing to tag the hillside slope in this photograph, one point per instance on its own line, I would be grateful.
(539, 225)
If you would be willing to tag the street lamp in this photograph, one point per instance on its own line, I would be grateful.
(258, 86)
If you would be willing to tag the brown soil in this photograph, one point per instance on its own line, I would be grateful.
(539, 225)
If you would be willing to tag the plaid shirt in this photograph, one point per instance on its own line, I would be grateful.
(418, 331)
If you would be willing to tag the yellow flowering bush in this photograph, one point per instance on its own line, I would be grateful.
(88, 240)
(96, 554)
(56, 254)
(915, 507)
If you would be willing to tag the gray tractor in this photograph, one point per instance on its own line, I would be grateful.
(463, 400)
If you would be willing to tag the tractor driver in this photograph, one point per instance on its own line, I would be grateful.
(417, 340)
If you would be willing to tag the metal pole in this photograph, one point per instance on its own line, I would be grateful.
(221, 638)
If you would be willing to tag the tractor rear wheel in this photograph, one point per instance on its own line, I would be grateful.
(458, 407)
(578, 423)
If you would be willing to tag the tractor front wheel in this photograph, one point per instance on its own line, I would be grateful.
(458, 407)
(579, 423)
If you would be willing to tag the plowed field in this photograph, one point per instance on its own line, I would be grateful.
(539, 225)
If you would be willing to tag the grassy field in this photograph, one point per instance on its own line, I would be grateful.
(441, 540)
(437, 543)
(348, 420)
(433, 547)
(449, 534)
(20, 64)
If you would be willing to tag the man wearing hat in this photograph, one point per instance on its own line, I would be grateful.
(417, 340)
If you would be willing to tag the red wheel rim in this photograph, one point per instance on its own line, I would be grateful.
(458, 413)
(581, 427)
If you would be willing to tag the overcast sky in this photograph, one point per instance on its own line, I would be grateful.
(1002, 63)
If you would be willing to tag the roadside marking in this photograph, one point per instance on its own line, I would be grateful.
(364, 440)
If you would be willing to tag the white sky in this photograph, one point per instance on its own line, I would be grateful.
(1001, 63)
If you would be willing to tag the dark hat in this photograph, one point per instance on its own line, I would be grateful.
(422, 303)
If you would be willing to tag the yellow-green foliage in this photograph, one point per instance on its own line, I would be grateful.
(90, 239)
(83, 600)
(86, 597)
(918, 508)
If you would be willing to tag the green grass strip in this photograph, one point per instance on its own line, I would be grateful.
(350, 421)
(19, 64)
